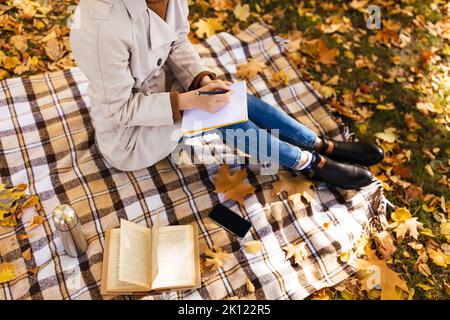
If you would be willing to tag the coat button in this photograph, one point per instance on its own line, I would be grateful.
(159, 62)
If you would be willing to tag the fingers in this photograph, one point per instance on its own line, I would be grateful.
(218, 84)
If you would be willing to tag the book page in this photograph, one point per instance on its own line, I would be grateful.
(197, 120)
(155, 241)
(176, 257)
(135, 257)
(113, 282)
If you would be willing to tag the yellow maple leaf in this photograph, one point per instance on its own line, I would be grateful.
(401, 214)
(378, 273)
(344, 256)
(9, 222)
(250, 286)
(30, 202)
(242, 12)
(250, 69)
(232, 185)
(294, 186)
(6, 272)
(279, 78)
(10, 62)
(208, 27)
(214, 259)
(438, 257)
(445, 228)
(253, 246)
(324, 90)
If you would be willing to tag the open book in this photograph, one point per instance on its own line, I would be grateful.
(138, 259)
(197, 120)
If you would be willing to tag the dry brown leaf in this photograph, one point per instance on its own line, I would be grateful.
(378, 273)
(385, 244)
(359, 4)
(26, 9)
(35, 221)
(53, 49)
(411, 122)
(294, 186)
(326, 56)
(232, 185)
(33, 271)
(19, 42)
(389, 135)
(27, 254)
(214, 259)
(30, 202)
(23, 236)
(297, 251)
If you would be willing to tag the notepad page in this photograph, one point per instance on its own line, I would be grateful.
(198, 120)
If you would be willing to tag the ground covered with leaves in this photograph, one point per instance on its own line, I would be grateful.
(390, 85)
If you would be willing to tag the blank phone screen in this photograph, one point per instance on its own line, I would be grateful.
(230, 220)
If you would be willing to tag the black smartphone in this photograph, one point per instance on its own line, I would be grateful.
(230, 220)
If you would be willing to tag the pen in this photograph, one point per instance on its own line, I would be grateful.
(210, 93)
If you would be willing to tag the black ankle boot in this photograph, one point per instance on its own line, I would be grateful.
(363, 153)
(341, 175)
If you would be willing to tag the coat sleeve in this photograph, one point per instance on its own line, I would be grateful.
(112, 86)
(184, 60)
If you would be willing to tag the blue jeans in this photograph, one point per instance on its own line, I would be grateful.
(293, 136)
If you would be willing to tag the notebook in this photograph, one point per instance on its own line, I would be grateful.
(196, 120)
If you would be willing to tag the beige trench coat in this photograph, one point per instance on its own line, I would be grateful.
(132, 58)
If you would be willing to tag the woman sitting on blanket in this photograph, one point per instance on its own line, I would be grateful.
(137, 57)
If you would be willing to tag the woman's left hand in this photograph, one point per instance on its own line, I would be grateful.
(207, 80)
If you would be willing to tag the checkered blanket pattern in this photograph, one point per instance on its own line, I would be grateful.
(47, 141)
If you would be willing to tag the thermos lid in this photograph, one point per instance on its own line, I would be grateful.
(64, 217)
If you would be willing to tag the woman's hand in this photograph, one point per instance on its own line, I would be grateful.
(211, 104)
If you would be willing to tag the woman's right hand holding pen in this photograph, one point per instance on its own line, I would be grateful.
(210, 103)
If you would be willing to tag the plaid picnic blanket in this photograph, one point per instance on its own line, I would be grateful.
(47, 141)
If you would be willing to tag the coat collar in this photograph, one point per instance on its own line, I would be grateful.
(135, 8)
(160, 32)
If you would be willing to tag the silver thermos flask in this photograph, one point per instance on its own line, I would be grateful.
(69, 228)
